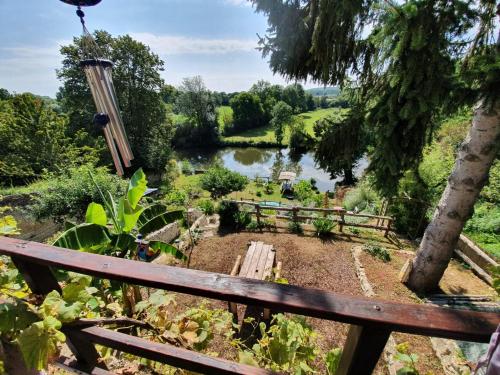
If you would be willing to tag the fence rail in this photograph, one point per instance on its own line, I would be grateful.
(383, 222)
(372, 320)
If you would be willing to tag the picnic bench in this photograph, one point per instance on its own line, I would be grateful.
(259, 263)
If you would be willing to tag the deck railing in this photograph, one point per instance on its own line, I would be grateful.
(383, 222)
(371, 320)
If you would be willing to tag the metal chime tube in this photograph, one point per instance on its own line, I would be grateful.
(99, 77)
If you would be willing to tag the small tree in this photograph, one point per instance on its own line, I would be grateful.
(220, 181)
(282, 115)
(247, 111)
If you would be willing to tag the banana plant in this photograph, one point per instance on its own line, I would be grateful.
(111, 229)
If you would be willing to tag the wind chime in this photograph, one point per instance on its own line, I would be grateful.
(99, 77)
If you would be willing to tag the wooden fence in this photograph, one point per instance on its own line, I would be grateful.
(340, 215)
(372, 320)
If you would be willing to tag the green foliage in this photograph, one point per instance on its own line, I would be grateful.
(496, 279)
(295, 227)
(253, 226)
(247, 112)
(340, 144)
(410, 206)
(8, 226)
(35, 140)
(207, 207)
(323, 226)
(227, 210)
(377, 251)
(176, 197)
(289, 345)
(408, 359)
(136, 77)
(241, 220)
(282, 115)
(69, 194)
(363, 197)
(332, 360)
(303, 191)
(126, 216)
(197, 104)
(220, 181)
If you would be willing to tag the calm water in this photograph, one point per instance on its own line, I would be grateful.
(252, 162)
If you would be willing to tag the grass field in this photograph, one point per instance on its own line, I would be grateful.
(266, 133)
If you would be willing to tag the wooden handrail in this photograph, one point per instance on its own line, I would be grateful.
(415, 318)
(372, 320)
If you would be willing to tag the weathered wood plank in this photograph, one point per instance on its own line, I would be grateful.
(268, 267)
(165, 353)
(248, 258)
(362, 350)
(261, 264)
(409, 318)
(253, 261)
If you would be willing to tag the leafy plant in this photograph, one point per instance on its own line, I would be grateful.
(176, 197)
(408, 359)
(295, 227)
(8, 226)
(288, 345)
(226, 211)
(332, 360)
(241, 219)
(220, 181)
(207, 207)
(377, 251)
(323, 226)
(253, 226)
(127, 217)
(268, 188)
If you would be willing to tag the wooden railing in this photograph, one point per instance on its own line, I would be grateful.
(383, 222)
(371, 320)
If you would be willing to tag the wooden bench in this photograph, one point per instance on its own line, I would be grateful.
(258, 264)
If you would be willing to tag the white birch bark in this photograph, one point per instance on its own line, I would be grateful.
(456, 206)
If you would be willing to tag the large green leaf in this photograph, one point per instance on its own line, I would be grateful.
(39, 342)
(160, 221)
(167, 249)
(8, 226)
(128, 215)
(96, 214)
(54, 305)
(136, 188)
(150, 213)
(15, 317)
(88, 237)
(122, 241)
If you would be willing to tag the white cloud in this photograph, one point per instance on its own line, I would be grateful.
(30, 68)
(238, 3)
(179, 45)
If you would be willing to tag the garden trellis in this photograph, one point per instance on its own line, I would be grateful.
(99, 77)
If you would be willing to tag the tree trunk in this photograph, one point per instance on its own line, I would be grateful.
(469, 175)
(348, 177)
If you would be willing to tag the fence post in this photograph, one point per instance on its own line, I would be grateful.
(294, 214)
(362, 350)
(41, 280)
(341, 222)
(388, 228)
(257, 214)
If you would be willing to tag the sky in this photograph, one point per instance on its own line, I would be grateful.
(216, 39)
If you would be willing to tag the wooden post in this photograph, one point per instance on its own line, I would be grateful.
(41, 280)
(388, 228)
(341, 222)
(294, 214)
(233, 307)
(257, 214)
(362, 350)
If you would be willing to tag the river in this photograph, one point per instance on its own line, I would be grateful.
(252, 162)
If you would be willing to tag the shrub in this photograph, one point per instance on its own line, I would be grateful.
(295, 227)
(220, 181)
(207, 207)
(69, 194)
(268, 188)
(227, 211)
(187, 168)
(259, 194)
(242, 219)
(323, 226)
(362, 197)
(303, 191)
(377, 251)
(176, 197)
(253, 226)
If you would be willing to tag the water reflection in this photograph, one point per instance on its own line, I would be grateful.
(269, 162)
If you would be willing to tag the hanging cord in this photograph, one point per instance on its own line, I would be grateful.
(90, 48)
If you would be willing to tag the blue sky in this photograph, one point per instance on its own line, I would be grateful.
(212, 38)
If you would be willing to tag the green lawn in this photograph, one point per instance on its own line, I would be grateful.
(266, 133)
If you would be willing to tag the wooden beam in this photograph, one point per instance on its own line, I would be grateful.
(164, 353)
(409, 318)
(362, 350)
